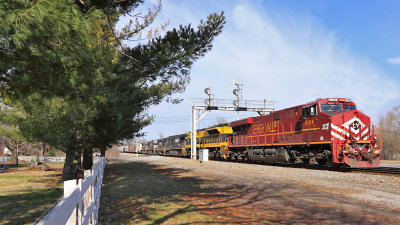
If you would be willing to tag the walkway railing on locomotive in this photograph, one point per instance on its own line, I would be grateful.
(250, 140)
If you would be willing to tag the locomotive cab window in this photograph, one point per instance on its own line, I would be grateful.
(349, 107)
(331, 109)
(277, 116)
(309, 111)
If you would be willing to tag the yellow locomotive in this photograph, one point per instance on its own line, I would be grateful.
(214, 139)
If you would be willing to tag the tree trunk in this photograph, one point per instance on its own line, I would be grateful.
(37, 156)
(103, 152)
(43, 149)
(71, 165)
(16, 155)
(87, 159)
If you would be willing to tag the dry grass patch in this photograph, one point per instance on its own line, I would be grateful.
(56, 165)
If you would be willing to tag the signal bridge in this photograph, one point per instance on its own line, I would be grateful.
(261, 107)
(211, 103)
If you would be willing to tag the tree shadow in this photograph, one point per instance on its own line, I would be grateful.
(24, 208)
(133, 191)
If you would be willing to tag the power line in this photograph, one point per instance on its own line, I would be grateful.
(188, 120)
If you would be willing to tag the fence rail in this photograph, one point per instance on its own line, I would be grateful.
(42, 159)
(81, 201)
(5, 158)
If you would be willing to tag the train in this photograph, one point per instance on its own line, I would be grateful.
(326, 131)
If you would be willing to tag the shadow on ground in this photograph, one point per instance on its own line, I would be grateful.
(142, 193)
(24, 208)
(134, 191)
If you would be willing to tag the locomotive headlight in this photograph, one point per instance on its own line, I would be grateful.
(332, 99)
(353, 138)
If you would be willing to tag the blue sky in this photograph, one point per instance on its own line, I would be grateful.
(369, 28)
(291, 52)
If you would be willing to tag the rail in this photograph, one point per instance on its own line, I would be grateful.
(379, 170)
(389, 171)
(81, 202)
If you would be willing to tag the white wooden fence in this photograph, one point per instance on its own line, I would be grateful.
(81, 202)
(5, 158)
(42, 159)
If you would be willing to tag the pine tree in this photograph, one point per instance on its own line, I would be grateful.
(66, 67)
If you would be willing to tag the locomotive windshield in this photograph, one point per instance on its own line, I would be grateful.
(332, 109)
(349, 107)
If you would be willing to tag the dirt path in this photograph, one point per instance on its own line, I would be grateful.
(233, 193)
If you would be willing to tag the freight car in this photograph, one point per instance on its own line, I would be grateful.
(329, 131)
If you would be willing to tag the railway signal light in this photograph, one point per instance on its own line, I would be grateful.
(236, 81)
(237, 92)
(207, 91)
(207, 101)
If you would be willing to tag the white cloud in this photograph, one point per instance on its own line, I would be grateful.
(394, 60)
(288, 58)
(293, 63)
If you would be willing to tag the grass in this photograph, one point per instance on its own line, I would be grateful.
(139, 193)
(390, 161)
(26, 193)
(58, 165)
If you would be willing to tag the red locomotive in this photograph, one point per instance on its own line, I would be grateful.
(326, 131)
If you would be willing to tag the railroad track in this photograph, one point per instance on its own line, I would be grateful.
(379, 170)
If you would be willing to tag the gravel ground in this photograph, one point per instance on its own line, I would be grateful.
(280, 195)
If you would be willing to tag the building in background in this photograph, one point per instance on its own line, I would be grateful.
(4, 151)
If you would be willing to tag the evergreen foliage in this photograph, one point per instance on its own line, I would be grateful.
(76, 85)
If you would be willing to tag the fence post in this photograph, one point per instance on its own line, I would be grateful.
(80, 207)
(69, 186)
(97, 187)
(88, 195)
(81, 199)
